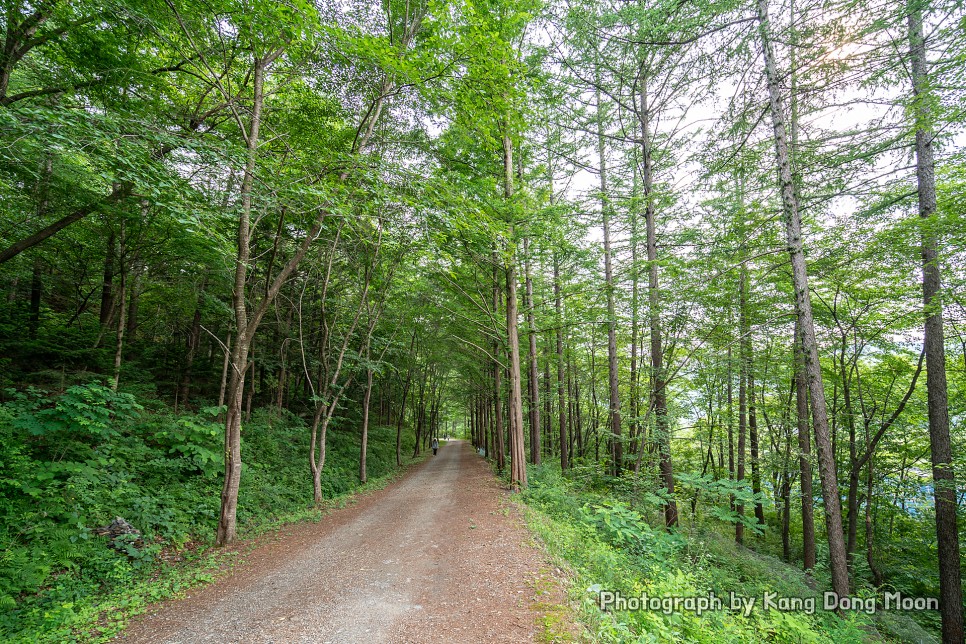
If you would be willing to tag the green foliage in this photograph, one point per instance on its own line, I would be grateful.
(610, 545)
(72, 462)
(197, 439)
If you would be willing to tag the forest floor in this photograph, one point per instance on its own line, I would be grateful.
(441, 555)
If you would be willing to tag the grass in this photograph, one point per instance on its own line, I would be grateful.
(74, 462)
(609, 545)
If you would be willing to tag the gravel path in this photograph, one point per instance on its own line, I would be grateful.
(438, 556)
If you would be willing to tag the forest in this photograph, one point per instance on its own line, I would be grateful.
(691, 275)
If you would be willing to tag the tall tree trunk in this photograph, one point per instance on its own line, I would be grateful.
(489, 430)
(546, 441)
(753, 437)
(364, 446)
(634, 394)
(944, 483)
(614, 406)
(855, 470)
(877, 578)
(239, 361)
(36, 277)
(497, 443)
(532, 359)
(804, 458)
(786, 501)
(518, 466)
(742, 433)
(224, 371)
(658, 373)
(419, 413)
(731, 426)
(562, 407)
(107, 283)
(36, 295)
(803, 308)
(122, 322)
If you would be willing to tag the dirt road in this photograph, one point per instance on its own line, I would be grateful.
(435, 557)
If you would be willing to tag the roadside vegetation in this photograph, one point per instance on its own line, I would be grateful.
(76, 460)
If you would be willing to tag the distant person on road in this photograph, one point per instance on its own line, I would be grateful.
(435, 446)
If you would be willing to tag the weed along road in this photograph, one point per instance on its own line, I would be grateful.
(435, 557)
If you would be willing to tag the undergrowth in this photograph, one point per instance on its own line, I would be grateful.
(614, 541)
(71, 463)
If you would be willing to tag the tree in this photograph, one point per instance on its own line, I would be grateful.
(803, 310)
(944, 484)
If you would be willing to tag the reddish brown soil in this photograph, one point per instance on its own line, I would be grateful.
(439, 556)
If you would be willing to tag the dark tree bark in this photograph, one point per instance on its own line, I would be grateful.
(658, 371)
(742, 433)
(731, 426)
(634, 402)
(614, 406)
(107, 284)
(753, 439)
(364, 443)
(561, 405)
(16, 248)
(533, 369)
(122, 308)
(877, 577)
(497, 377)
(944, 482)
(804, 458)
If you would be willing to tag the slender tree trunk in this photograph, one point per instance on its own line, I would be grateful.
(562, 407)
(224, 371)
(489, 430)
(877, 578)
(635, 324)
(419, 412)
(742, 432)
(804, 458)
(753, 440)
(363, 475)
(317, 438)
(122, 322)
(546, 441)
(107, 283)
(658, 374)
(852, 495)
(497, 377)
(786, 497)
(36, 277)
(731, 427)
(803, 308)
(518, 467)
(532, 360)
(233, 464)
(944, 482)
(36, 296)
(614, 407)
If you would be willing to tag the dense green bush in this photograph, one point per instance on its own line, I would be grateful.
(71, 463)
(611, 545)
